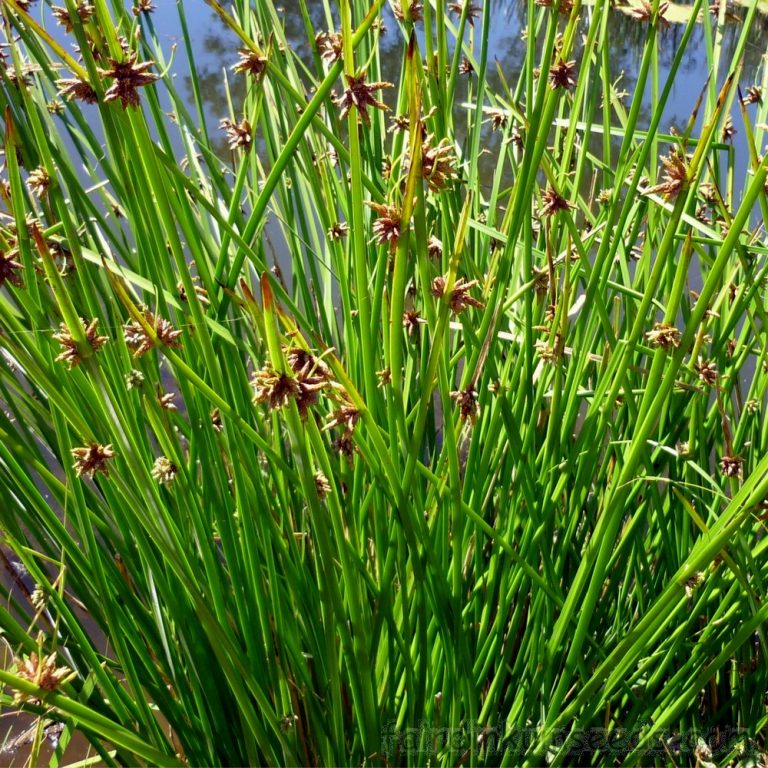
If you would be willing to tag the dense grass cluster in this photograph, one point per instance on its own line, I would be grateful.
(475, 473)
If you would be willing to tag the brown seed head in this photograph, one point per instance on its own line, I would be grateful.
(238, 134)
(77, 89)
(469, 407)
(438, 163)
(552, 202)
(330, 46)
(164, 471)
(675, 175)
(386, 228)
(38, 182)
(561, 75)
(250, 63)
(128, 77)
(71, 355)
(10, 270)
(337, 230)
(273, 388)
(359, 94)
(473, 11)
(322, 485)
(91, 459)
(732, 466)
(754, 95)
(707, 372)
(499, 118)
(460, 298)
(663, 335)
(415, 11)
(84, 11)
(139, 342)
(143, 6)
(43, 672)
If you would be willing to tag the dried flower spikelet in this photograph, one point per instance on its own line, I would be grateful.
(460, 298)
(384, 376)
(143, 6)
(663, 335)
(561, 75)
(465, 66)
(42, 672)
(71, 354)
(165, 401)
(200, 292)
(675, 176)
(39, 598)
(134, 379)
(252, 63)
(38, 182)
(438, 163)
(164, 471)
(216, 422)
(415, 11)
(322, 485)
(359, 94)
(707, 372)
(412, 320)
(337, 230)
(274, 388)
(239, 135)
(498, 117)
(129, 77)
(398, 123)
(731, 466)
(729, 129)
(434, 247)
(549, 354)
(330, 46)
(752, 406)
(76, 89)
(305, 365)
(467, 400)
(386, 228)
(84, 11)
(345, 446)
(754, 95)
(10, 270)
(644, 12)
(473, 11)
(140, 342)
(92, 458)
(347, 416)
(552, 202)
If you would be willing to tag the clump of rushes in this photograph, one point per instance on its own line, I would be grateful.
(92, 459)
(140, 342)
(460, 298)
(72, 354)
(359, 94)
(374, 488)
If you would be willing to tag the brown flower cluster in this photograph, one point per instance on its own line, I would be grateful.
(238, 134)
(251, 63)
(467, 400)
(128, 77)
(438, 163)
(330, 46)
(10, 269)
(663, 335)
(359, 94)
(41, 671)
(91, 459)
(386, 228)
(675, 175)
(71, 354)
(415, 11)
(77, 89)
(140, 342)
(460, 298)
(83, 11)
(473, 11)
(561, 75)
